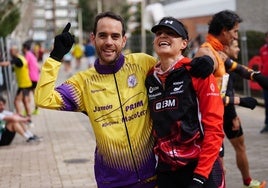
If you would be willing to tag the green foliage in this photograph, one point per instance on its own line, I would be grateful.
(255, 40)
(134, 42)
(125, 14)
(88, 14)
(9, 23)
(138, 13)
(137, 16)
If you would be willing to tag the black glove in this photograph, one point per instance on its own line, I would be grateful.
(202, 66)
(197, 182)
(248, 102)
(62, 44)
(262, 80)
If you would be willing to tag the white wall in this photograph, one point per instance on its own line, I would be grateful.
(195, 8)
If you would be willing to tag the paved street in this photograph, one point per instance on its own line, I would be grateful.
(257, 150)
(65, 157)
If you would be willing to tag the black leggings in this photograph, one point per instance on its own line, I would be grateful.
(182, 177)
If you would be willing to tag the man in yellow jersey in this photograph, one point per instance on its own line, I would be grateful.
(113, 96)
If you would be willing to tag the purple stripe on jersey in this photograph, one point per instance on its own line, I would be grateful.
(109, 69)
(108, 177)
(68, 97)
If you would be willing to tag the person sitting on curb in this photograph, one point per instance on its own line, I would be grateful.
(11, 123)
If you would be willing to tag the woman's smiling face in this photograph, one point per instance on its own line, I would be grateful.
(168, 42)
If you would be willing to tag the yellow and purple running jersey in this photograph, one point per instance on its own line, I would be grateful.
(115, 100)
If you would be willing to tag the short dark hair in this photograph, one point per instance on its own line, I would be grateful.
(225, 19)
(2, 99)
(110, 15)
(26, 45)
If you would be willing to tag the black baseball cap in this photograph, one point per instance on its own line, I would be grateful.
(173, 24)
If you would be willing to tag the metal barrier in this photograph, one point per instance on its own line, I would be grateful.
(8, 83)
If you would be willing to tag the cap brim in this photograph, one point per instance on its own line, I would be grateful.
(157, 27)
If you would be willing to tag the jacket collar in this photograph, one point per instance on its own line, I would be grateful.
(110, 69)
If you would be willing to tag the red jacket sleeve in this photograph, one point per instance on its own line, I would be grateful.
(211, 110)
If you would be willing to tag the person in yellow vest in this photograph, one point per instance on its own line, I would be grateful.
(24, 82)
(77, 52)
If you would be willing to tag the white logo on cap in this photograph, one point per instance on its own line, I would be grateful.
(169, 22)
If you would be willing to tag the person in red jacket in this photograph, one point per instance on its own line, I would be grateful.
(187, 114)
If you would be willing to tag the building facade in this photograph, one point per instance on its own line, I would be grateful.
(196, 14)
(50, 16)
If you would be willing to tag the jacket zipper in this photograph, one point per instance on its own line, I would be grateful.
(126, 129)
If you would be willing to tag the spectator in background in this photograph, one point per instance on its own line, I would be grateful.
(264, 71)
(77, 52)
(223, 29)
(232, 124)
(11, 123)
(90, 53)
(194, 45)
(24, 82)
(38, 52)
(67, 61)
(33, 68)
